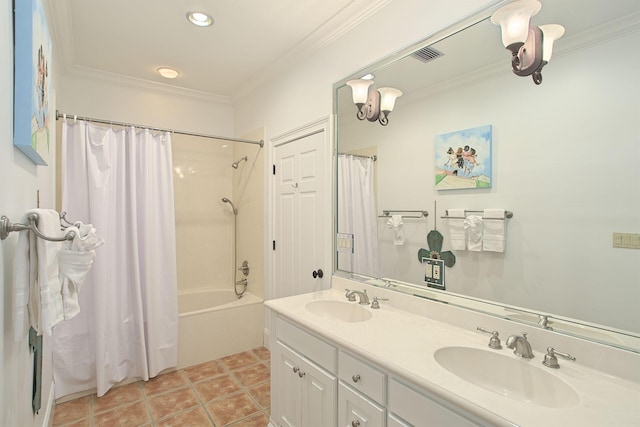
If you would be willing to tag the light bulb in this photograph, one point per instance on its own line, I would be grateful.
(514, 20)
(388, 96)
(360, 90)
(550, 33)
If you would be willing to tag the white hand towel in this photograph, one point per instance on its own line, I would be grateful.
(51, 311)
(395, 223)
(75, 263)
(38, 296)
(473, 225)
(494, 234)
(25, 276)
(457, 234)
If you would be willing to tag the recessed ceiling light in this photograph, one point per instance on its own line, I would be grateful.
(168, 73)
(200, 19)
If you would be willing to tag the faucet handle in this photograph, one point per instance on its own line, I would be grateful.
(349, 295)
(550, 359)
(375, 303)
(494, 341)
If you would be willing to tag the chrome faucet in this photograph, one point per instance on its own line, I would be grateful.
(351, 296)
(520, 345)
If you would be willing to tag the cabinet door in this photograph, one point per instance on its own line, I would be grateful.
(287, 396)
(319, 394)
(355, 410)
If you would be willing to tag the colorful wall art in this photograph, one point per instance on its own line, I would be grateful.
(32, 71)
(463, 159)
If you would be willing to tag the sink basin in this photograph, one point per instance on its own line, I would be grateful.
(508, 376)
(339, 310)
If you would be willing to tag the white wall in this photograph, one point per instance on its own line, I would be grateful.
(149, 105)
(20, 180)
(303, 93)
(560, 167)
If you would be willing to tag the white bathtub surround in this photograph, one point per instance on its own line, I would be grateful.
(405, 333)
(214, 323)
(121, 181)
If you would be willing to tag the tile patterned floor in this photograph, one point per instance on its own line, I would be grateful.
(232, 391)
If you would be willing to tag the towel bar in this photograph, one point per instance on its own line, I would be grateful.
(507, 214)
(387, 214)
(7, 227)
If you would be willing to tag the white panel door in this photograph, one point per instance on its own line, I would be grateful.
(299, 212)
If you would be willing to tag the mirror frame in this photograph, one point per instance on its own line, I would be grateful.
(563, 325)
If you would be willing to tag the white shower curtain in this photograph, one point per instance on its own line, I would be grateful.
(121, 181)
(357, 214)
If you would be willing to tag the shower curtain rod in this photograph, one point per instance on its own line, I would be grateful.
(179, 132)
(361, 156)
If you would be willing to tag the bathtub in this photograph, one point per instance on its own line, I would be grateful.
(214, 323)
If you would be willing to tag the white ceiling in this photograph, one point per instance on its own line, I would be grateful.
(250, 39)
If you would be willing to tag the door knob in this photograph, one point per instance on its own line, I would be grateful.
(317, 273)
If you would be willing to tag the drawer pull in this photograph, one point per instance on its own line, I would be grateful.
(295, 369)
(301, 374)
(356, 378)
(355, 423)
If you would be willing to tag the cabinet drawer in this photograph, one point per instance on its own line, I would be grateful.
(303, 342)
(354, 409)
(419, 410)
(394, 421)
(362, 377)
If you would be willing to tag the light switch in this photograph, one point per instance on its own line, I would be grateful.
(626, 240)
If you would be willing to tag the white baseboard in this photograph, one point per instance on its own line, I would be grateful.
(47, 421)
(267, 338)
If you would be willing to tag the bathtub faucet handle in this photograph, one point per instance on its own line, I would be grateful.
(244, 268)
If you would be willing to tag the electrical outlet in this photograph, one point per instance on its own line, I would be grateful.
(434, 272)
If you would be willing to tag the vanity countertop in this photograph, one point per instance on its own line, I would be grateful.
(404, 343)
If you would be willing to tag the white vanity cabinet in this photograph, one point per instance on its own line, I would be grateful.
(304, 390)
(316, 383)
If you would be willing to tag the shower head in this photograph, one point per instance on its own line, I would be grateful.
(225, 200)
(235, 164)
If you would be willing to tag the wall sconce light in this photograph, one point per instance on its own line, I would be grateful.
(374, 104)
(530, 46)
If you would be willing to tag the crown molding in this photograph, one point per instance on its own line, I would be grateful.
(344, 21)
(87, 73)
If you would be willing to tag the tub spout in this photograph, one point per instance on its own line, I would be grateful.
(242, 282)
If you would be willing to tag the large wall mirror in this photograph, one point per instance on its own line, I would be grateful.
(565, 161)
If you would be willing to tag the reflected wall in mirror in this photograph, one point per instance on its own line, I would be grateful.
(564, 156)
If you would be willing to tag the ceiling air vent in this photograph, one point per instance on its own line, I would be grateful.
(427, 54)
